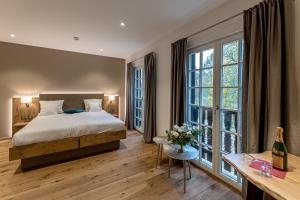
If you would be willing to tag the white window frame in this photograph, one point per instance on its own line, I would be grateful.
(216, 140)
(139, 65)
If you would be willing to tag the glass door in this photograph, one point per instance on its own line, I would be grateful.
(201, 100)
(139, 99)
(214, 103)
(230, 98)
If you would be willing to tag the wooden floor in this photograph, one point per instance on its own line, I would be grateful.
(128, 173)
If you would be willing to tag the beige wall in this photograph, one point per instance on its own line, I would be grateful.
(162, 48)
(27, 70)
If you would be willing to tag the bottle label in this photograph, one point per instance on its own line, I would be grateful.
(278, 162)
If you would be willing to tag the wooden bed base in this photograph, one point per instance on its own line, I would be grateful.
(40, 161)
(42, 153)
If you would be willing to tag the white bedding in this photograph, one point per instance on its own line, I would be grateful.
(53, 127)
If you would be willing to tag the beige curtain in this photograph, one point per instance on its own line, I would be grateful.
(179, 50)
(269, 95)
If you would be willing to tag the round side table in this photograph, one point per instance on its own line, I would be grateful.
(190, 153)
(160, 141)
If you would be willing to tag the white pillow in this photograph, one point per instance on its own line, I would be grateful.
(51, 107)
(88, 101)
(94, 106)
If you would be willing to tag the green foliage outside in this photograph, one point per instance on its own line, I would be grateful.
(229, 77)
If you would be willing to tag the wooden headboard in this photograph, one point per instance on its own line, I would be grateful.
(71, 101)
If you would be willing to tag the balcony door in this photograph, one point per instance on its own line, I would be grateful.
(139, 98)
(214, 103)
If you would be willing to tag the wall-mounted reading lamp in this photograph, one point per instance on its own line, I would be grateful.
(26, 115)
(27, 100)
(111, 98)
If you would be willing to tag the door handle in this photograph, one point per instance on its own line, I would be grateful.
(216, 108)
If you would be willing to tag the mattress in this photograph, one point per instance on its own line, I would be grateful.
(54, 127)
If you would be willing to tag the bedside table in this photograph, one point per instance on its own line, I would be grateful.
(19, 125)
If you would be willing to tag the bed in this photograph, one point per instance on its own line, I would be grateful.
(55, 138)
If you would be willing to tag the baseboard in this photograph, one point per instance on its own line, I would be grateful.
(5, 138)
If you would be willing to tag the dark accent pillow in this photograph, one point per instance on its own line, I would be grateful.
(72, 111)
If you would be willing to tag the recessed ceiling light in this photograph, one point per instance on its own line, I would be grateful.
(12, 35)
(76, 38)
(122, 24)
(101, 50)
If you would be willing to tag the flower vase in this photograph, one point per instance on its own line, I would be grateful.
(181, 149)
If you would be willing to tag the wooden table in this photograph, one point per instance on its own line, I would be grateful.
(190, 153)
(288, 188)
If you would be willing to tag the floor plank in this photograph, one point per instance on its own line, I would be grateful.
(128, 173)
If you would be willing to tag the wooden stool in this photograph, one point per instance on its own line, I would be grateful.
(160, 141)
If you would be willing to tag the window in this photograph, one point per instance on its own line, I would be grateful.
(201, 66)
(230, 97)
(139, 99)
(214, 102)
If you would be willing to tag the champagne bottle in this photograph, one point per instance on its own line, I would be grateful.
(279, 152)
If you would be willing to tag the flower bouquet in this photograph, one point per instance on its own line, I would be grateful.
(183, 135)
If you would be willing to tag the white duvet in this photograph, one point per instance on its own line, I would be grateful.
(53, 127)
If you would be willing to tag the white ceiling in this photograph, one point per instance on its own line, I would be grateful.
(54, 23)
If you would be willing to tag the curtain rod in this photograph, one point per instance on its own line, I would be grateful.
(216, 24)
(136, 59)
(207, 28)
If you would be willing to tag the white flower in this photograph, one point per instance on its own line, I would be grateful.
(176, 127)
(175, 134)
(181, 129)
(189, 133)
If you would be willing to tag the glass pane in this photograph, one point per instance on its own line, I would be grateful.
(208, 58)
(140, 73)
(207, 78)
(207, 116)
(194, 114)
(194, 61)
(228, 170)
(230, 76)
(194, 79)
(206, 156)
(136, 93)
(136, 82)
(228, 142)
(194, 96)
(140, 84)
(138, 113)
(207, 97)
(229, 121)
(242, 51)
(139, 123)
(230, 53)
(206, 139)
(229, 98)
